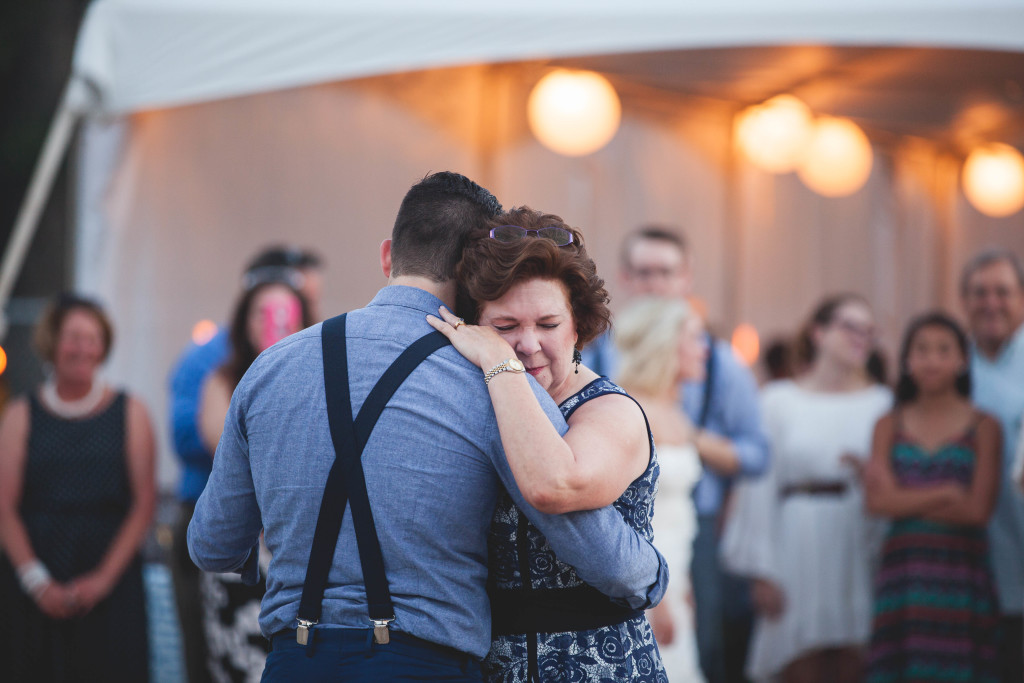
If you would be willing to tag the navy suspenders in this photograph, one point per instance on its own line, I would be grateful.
(346, 483)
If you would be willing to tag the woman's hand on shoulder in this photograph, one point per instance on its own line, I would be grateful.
(481, 345)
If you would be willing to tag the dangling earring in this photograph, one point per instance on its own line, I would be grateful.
(577, 358)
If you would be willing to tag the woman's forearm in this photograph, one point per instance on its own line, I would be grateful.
(958, 513)
(14, 535)
(128, 540)
(541, 461)
(717, 453)
(899, 501)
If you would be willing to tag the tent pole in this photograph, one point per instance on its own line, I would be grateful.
(57, 140)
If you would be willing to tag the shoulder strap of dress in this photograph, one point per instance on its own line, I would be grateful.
(599, 387)
(602, 386)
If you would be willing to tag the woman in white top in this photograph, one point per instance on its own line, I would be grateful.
(800, 532)
(662, 344)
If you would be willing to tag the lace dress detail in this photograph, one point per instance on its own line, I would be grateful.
(622, 652)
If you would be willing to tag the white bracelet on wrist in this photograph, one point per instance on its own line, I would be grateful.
(34, 577)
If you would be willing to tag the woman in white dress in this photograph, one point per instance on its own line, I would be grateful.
(800, 532)
(662, 345)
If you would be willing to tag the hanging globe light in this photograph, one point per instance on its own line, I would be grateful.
(746, 343)
(574, 113)
(993, 180)
(773, 134)
(838, 158)
(203, 331)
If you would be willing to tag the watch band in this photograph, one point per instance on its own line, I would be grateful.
(503, 366)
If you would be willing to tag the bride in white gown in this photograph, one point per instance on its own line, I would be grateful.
(662, 344)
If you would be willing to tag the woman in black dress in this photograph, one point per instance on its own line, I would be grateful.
(77, 494)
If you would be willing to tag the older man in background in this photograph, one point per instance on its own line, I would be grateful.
(992, 289)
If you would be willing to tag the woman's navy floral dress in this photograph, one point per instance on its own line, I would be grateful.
(623, 652)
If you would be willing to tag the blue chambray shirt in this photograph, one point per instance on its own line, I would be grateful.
(998, 388)
(734, 413)
(186, 386)
(434, 469)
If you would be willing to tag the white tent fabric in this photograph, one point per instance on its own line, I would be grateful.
(145, 54)
(219, 126)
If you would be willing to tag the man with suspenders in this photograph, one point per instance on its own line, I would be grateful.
(724, 408)
(367, 451)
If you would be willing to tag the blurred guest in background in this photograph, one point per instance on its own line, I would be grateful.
(935, 471)
(800, 532)
(662, 345)
(778, 360)
(992, 291)
(77, 494)
(268, 312)
(302, 270)
(1018, 461)
(724, 409)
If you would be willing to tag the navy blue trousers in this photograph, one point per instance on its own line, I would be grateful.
(342, 654)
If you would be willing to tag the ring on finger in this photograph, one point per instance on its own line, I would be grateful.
(458, 322)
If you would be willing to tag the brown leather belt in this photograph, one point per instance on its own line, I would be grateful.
(812, 488)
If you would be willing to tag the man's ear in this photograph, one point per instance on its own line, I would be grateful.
(385, 257)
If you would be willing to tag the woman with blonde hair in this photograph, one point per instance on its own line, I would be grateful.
(662, 345)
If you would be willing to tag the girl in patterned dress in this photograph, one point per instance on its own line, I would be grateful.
(535, 295)
(935, 471)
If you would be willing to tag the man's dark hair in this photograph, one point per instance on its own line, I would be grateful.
(280, 263)
(433, 221)
(282, 256)
(651, 232)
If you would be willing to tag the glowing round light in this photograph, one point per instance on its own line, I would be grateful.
(838, 158)
(3, 360)
(574, 113)
(993, 180)
(746, 343)
(204, 331)
(773, 134)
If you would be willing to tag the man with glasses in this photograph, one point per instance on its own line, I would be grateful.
(992, 291)
(724, 408)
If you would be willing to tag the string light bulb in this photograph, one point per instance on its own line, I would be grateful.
(574, 113)
(838, 158)
(772, 135)
(993, 180)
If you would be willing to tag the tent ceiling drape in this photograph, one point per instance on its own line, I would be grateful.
(144, 54)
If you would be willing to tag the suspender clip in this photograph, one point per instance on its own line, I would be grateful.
(380, 631)
(302, 632)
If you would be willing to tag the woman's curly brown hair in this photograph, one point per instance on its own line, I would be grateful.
(489, 268)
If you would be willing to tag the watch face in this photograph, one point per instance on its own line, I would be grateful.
(516, 365)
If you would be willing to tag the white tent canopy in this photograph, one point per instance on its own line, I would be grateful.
(145, 54)
(214, 127)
